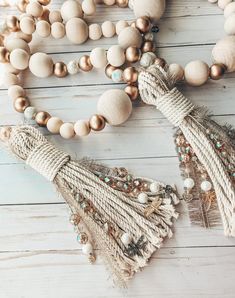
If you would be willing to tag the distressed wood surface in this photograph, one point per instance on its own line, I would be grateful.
(39, 255)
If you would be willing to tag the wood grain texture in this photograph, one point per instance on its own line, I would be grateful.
(39, 254)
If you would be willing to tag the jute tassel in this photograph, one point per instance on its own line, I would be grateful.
(211, 145)
(124, 217)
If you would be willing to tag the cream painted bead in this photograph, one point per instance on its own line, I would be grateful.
(16, 91)
(143, 198)
(223, 3)
(57, 30)
(121, 25)
(41, 65)
(147, 59)
(54, 125)
(151, 8)
(30, 113)
(35, 9)
(224, 52)
(55, 16)
(108, 29)
(189, 183)
(82, 128)
(95, 32)
(10, 79)
(67, 131)
(229, 9)
(229, 25)
(206, 186)
(71, 9)
(130, 37)
(27, 25)
(73, 67)
(89, 7)
(43, 28)
(76, 30)
(176, 72)
(16, 43)
(98, 58)
(196, 73)
(126, 239)
(8, 68)
(19, 59)
(116, 56)
(115, 106)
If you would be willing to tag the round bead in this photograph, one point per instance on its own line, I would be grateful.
(95, 32)
(189, 183)
(67, 131)
(109, 70)
(57, 30)
(21, 5)
(41, 65)
(126, 239)
(132, 54)
(71, 9)
(76, 30)
(16, 91)
(20, 104)
(87, 249)
(44, 2)
(27, 25)
(151, 8)
(54, 124)
(85, 63)
(196, 73)
(43, 28)
(130, 75)
(229, 25)
(143, 198)
(206, 186)
(130, 37)
(117, 75)
(148, 46)
(229, 9)
(122, 3)
(82, 128)
(154, 187)
(4, 55)
(116, 56)
(176, 72)
(143, 24)
(55, 16)
(108, 2)
(132, 92)
(224, 52)
(97, 122)
(60, 70)
(16, 43)
(98, 58)
(45, 15)
(12, 23)
(73, 67)
(147, 59)
(108, 29)
(88, 7)
(115, 106)
(19, 59)
(35, 9)
(121, 25)
(42, 118)
(223, 3)
(10, 79)
(5, 133)
(30, 113)
(217, 71)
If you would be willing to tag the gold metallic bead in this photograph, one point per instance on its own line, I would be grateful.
(4, 55)
(143, 24)
(42, 118)
(44, 2)
(132, 92)
(85, 63)
(217, 71)
(60, 70)
(133, 54)
(21, 5)
(109, 70)
(5, 133)
(20, 104)
(160, 61)
(97, 122)
(122, 3)
(130, 75)
(12, 23)
(45, 15)
(148, 46)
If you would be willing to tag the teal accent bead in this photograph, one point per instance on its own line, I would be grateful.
(117, 75)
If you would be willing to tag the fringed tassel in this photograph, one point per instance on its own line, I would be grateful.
(206, 144)
(124, 217)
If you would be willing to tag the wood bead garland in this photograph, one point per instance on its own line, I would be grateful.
(116, 56)
(196, 73)
(129, 37)
(41, 65)
(76, 30)
(19, 59)
(98, 58)
(71, 9)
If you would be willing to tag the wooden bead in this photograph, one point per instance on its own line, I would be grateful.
(115, 106)
(5, 133)
(43, 29)
(60, 70)
(8, 68)
(42, 118)
(133, 54)
(196, 73)
(57, 30)
(108, 29)
(16, 43)
(89, 7)
(229, 25)
(120, 26)
(148, 46)
(54, 124)
(12, 23)
(176, 72)
(71, 9)
(85, 63)
(223, 3)
(97, 122)
(35, 9)
(109, 2)
(20, 104)
(10, 79)
(82, 128)
(151, 8)
(44, 2)
(224, 52)
(27, 25)
(143, 24)
(19, 59)
(130, 75)
(41, 65)
(45, 15)
(132, 92)
(130, 37)
(116, 56)
(21, 5)
(55, 16)
(4, 55)
(98, 58)
(76, 30)
(217, 71)
(109, 70)
(122, 3)
(16, 91)
(229, 9)
(21, 35)
(95, 32)
(67, 131)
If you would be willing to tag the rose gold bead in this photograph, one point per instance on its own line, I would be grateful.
(21, 5)
(148, 46)
(45, 15)
(4, 55)
(217, 71)
(133, 54)
(132, 92)
(130, 75)
(20, 104)
(5, 133)
(143, 24)
(44, 2)
(60, 70)
(160, 61)
(42, 117)
(122, 3)
(109, 70)
(85, 63)
(12, 23)
(97, 122)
